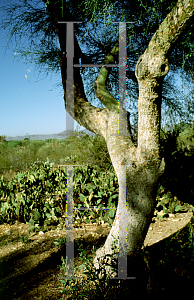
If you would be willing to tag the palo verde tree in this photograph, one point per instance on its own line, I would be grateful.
(156, 46)
(147, 17)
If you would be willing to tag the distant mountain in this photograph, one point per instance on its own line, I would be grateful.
(62, 135)
(68, 133)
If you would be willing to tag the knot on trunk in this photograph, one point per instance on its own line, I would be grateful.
(151, 66)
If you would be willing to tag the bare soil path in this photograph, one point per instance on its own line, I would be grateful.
(31, 270)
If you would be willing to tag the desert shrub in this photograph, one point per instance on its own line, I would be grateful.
(3, 139)
(52, 150)
(94, 151)
(185, 140)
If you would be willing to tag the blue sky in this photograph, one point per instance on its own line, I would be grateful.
(30, 103)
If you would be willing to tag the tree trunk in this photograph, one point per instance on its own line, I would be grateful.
(141, 177)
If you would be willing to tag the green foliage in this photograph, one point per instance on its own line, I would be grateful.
(178, 176)
(29, 196)
(180, 139)
(3, 139)
(24, 239)
(168, 141)
(36, 193)
(89, 150)
(18, 155)
(77, 289)
(169, 204)
(185, 140)
(60, 242)
(50, 150)
(103, 186)
(38, 196)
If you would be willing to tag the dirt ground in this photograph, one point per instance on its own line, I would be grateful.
(31, 270)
